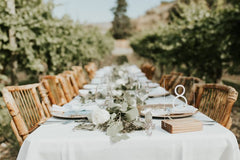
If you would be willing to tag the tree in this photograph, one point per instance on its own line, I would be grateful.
(33, 41)
(121, 25)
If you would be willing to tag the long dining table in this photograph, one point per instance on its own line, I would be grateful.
(56, 139)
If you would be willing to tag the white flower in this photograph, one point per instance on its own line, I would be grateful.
(100, 116)
(83, 93)
(121, 82)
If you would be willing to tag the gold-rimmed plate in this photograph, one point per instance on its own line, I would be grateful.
(163, 106)
(71, 115)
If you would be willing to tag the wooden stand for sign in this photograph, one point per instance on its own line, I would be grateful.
(182, 125)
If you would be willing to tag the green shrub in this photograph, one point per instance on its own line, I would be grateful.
(199, 41)
(46, 44)
(6, 134)
(237, 87)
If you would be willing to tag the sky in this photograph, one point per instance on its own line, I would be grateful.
(96, 11)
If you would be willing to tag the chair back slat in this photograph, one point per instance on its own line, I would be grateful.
(91, 69)
(36, 100)
(54, 89)
(167, 81)
(72, 80)
(174, 78)
(67, 88)
(164, 81)
(25, 108)
(216, 101)
(79, 73)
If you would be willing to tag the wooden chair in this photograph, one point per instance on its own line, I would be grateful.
(69, 75)
(148, 69)
(188, 83)
(216, 101)
(176, 73)
(164, 81)
(175, 76)
(66, 86)
(168, 80)
(80, 76)
(44, 98)
(91, 69)
(26, 109)
(54, 90)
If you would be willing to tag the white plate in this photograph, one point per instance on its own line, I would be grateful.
(71, 115)
(158, 92)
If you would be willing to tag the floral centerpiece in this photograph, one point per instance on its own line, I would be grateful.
(119, 115)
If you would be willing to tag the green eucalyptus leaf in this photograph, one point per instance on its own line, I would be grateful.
(118, 138)
(132, 114)
(114, 128)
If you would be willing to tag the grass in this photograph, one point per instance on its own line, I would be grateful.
(9, 144)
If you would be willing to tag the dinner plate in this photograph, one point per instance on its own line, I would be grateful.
(159, 95)
(180, 115)
(71, 115)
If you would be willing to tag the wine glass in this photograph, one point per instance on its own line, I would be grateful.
(142, 94)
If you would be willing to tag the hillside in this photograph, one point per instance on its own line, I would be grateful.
(152, 17)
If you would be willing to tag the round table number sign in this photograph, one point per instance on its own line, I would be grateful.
(179, 95)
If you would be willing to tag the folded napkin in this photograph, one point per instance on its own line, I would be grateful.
(140, 74)
(134, 69)
(180, 109)
(143, 79)
(90, 86)
(94, 86)
(153, 85)
(56, 108)
(85, 92)
(158, 92)
(73, 105)
(183, 109)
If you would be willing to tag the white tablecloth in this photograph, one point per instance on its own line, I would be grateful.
(58, 141)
